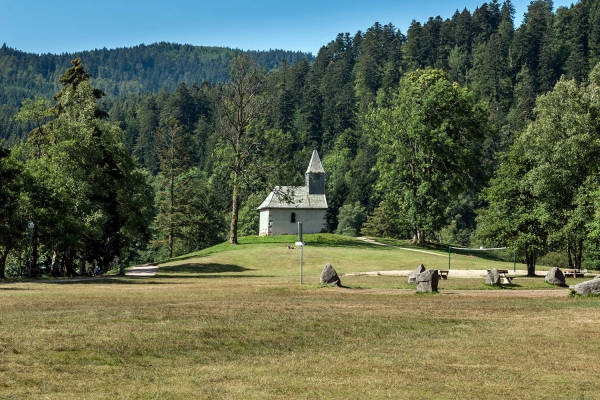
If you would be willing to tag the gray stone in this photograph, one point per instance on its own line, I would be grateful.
(587, 287)
(427, 281)
(329, 276)
(555, 277)
(597, 277)
(493, 277)
(412, 277)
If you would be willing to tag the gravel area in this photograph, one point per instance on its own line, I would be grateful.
(460, 273)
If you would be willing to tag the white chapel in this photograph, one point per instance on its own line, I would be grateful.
(307, 204)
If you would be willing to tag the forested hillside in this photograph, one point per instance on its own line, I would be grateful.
(460, 93)
(119, 72)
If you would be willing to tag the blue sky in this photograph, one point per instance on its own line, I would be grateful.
(42, 26)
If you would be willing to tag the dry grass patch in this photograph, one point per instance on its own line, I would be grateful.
(234, 323)
(265, 337)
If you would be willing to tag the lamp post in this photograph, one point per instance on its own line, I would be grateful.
(31, 226)
(300, 244)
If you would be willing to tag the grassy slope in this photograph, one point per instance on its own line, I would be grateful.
(254, 333)
(270, 257)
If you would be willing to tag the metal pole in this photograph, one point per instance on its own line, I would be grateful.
(300, 243)
(449, 257)
(301, 247)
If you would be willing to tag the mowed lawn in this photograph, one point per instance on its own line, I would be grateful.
(221, 325)
(270, 256)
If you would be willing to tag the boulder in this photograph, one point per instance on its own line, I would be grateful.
(555, 277)
(412, 277)
(493, 277)
(587, 287)
(427, 281)
(597, 277)
(329, 276)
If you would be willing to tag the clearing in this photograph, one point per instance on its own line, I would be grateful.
(233, 322)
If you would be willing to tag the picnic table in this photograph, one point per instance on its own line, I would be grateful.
(504, 276)
(575, 273)
(443, 273)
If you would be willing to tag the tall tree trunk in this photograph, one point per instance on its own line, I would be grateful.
(69, 264)
(530, 259)
(34, 250)
(171, 206)
(579, 253)
(3, 257)
(82, 269)
(54, 268)
(235, 204)
(419, 237)
(569, 255)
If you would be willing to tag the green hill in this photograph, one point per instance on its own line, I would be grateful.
(269, 256)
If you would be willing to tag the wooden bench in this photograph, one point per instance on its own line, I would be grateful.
(504, 276)
(575, 273)
(443, 273)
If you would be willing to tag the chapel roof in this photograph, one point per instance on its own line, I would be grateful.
(294, 197)
(315, 166)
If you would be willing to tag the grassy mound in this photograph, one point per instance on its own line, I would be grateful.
(271, 256)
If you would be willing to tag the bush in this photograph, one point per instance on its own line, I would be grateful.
(350, 219)
(249, 218)
(555, 259)
(384, 223)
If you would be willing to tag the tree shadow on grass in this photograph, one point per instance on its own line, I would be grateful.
(164, 279)
(185, 271)
(197, 268)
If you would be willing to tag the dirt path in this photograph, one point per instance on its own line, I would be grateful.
(371, 241)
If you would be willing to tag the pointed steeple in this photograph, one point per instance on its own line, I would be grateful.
(315, 166)
(315, 175)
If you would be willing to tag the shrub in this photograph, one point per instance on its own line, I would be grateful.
(350, 219)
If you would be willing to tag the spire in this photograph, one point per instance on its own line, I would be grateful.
(315, 175)
(314, 166)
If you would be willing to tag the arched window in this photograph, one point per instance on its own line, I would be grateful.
(293, 218)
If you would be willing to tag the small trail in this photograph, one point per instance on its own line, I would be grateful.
(142, 270)
(371, 241)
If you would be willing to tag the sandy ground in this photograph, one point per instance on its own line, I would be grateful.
(142, 270)
(459, 273)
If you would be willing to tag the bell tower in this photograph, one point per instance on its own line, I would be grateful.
(315, 175)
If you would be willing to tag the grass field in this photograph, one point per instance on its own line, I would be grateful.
(235, 323)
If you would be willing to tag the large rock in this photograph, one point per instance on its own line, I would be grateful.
(587, 287)
(597, 277)
(555, 277)
(412, 277)
(329, 276)
(493, 277)
(427, 281)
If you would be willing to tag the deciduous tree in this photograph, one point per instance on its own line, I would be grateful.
(241, 106)
(428, 147)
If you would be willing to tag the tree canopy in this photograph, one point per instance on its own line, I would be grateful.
(429, 149)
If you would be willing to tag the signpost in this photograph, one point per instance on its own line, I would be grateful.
(300, 244)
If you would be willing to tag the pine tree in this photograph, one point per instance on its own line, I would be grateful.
(172, 146)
